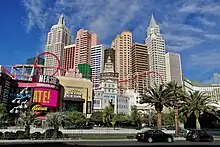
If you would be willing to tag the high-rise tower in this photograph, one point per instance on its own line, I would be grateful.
(174, 68)
(122, 46)
(156, 49)
(140, 64)
(58, 37)
(84, 41)
(97, 63)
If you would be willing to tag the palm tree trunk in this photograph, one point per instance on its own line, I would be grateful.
(27, 130)
(198, 127)
(159, 120)
(55, 133)
(176, 111)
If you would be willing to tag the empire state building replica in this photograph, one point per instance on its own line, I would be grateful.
(109, 85)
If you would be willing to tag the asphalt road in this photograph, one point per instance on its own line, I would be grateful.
(97, 143)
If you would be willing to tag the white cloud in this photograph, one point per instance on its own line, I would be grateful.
(179, 43)
(201, 6)
(206, 22)
(208, 59)
(35, 14)
(108, 18)
(213, 36)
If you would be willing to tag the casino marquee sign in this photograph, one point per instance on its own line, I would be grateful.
(46, 79)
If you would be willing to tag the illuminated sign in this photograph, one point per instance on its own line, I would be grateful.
(39, 108)
(21, 84)
(45, 96)
(46, 79)
(76, 92)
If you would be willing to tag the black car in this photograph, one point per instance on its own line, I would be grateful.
(198, 136)
(154, 136)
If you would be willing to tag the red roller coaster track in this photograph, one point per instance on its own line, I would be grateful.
(59, 68)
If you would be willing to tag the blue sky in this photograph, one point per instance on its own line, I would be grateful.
(189, 27)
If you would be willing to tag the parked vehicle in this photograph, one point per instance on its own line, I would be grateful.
(154, 136)
(199, 136)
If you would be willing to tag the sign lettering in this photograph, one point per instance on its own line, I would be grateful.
(41, 96)
(6, 91)
(48, 79)
(39, 108)
(45, 97)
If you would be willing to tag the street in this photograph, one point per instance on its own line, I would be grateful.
(101, 143)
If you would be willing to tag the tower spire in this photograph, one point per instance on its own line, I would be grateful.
(152, 21)
(109, 65)
(61, 20)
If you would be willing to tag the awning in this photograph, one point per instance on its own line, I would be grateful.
(73, 99)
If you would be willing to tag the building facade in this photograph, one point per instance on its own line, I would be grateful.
(98, 99)
(140, 64)
(123, 105)
(58, 37)
(122, 46)
(173, 67)
(212, 90)
(156, 49)
(97, 63)
(109, 52)
(78, 93)
(83, 47)
(108, 88)
(68, 57)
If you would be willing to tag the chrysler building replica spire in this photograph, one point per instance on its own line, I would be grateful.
(156, 49)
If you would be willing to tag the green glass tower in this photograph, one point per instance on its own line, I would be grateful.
(85, 70)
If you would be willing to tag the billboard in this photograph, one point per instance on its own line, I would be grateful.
(78, 92)
(45, 96)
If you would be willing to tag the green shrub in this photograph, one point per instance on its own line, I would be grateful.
(10, 135)
(1, 135)
(19, 132)
(49, 134)
(36, 135)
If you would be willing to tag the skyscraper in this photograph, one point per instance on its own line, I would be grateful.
(122, 46)
(110, 52)
(174, 68)
(58, 37)
(83, 47)
(97, 63)
(68, 57)
(156, 49)
(94, 38)
(140, 63)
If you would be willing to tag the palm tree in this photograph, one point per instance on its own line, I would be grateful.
(157, 97)
(3, 114)
(107, 115)
(177, 93)
(135, 116)
(55, 119)
(27, 118)
(197, 103)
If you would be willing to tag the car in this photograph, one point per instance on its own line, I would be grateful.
(154, 136)
(199, 136)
